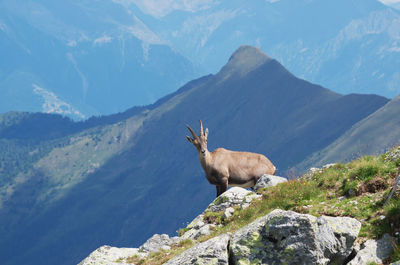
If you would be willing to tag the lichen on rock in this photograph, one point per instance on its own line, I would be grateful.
(213, 251)
(292, 238)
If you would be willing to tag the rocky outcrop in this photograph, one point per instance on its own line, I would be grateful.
(158, 242)
(268, 181)
(280, 237)
(373, 251)
(107, 255)
(213, 251)
(234, 197)
(286, 237)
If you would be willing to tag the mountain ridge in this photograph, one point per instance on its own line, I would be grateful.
(130, 53)
(374, 134)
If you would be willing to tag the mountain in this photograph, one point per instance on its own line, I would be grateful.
(100, 182)
(82, 58)
(346, 46)
(372, 135)
(392, 3)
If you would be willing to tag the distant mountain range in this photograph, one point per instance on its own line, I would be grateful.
(83, 58)
(68, 187)
(346, 46)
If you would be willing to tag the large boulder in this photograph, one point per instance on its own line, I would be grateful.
(373, 251)
(287, 237)
(213, 251)
(110, 256)
(235, 196)
(268, 181)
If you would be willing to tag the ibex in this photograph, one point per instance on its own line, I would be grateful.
(224, 167)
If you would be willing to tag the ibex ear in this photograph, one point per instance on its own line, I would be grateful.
(189, 139)
(206, 133)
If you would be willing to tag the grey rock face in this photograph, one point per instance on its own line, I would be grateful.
(158, 242)
(197, 232)
(235, 196)
(213, 251)
(289, 237)
(373, 251)
(393, 155)
(109, 256)
(268, 181)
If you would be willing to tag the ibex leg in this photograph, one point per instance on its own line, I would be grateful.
(218, 190)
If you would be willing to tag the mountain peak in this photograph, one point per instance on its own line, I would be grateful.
(248, 52)
(245, 59)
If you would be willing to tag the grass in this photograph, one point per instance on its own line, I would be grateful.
(357, 189)
(161, 256)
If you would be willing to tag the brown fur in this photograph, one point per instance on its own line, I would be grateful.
(224, 167)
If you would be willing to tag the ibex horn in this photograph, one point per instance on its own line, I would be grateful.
(201, 128)
(191, 131)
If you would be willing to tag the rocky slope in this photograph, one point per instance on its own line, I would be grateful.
(280, 236)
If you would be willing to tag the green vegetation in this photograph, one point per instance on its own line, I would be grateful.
(357, 189)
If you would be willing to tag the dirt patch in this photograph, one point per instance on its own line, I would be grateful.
(374, 185)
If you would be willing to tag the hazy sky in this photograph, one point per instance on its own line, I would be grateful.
(390, 1)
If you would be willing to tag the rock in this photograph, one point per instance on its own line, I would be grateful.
(228, 212)
(351, 192)
(329, 165)
(110, 255)
(197, 228)
(268, 181)
(213, 251)
(393, 155)
(395, 263)
(197, 222)
(195, 233)
(313, 170)
(235, 196)
(373, 251)
(308, 175)
(158, 242)
(286, 237)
